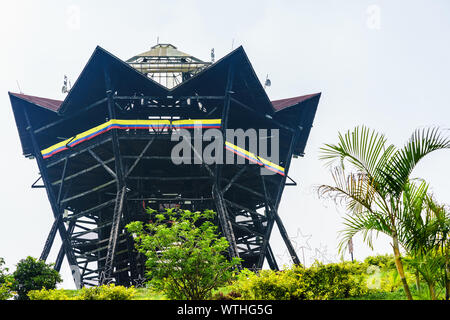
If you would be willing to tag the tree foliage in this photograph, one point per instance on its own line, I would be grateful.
(185, 256)
(33, 274)
(373, 180)
(6, 281)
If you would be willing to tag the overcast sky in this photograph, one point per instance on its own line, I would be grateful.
(385, 64)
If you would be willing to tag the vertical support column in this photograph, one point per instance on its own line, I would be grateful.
(274, 213)
(270, 221)
(115, 138)
(53, 203)
(280, 224)
(120, 206)
(217, 191)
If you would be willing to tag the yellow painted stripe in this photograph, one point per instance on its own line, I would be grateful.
(149, 123)
(252, 155)
(198, 121)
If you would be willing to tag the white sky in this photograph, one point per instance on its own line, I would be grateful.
(384, 64)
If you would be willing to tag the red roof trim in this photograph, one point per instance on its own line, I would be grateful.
(49, 104)
(54, 105)
(279, 105)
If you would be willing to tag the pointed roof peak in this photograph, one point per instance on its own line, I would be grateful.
(164, 45)
(46, 103)
(163, 50)
(167, 65)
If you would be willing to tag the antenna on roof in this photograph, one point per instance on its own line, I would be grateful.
(66, 85)
(213, 56)
(267, 83)
(157, 40)
(20, 90)
(232, 44)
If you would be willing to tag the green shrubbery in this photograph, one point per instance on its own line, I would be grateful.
(6, 282)
(48, 294)
(385, 262)
(374, 278)
(319, 282)
(105, 292)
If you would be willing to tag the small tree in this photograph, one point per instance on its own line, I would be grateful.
(427, 237)
(5, 282)
(185, 256)
(33, 274)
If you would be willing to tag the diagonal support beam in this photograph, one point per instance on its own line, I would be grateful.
(102, 163)
(118, 210)
(82, 194)
(52, 198)
(81, 172)
(63, 177)
(61, 253)
(236, 176)
(225, 222)
(34, 186)
(136, 162)
(51, 236)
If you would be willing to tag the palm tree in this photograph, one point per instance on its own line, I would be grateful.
(426, 236)
(370, 177)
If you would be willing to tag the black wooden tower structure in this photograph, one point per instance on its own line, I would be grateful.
(104, 155)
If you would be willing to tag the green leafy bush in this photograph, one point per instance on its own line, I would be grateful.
(385, 262)
(33, 274)
(267, 285)
(106, 292)
(319, 282)
(5, 291)
(334, 281)
(48, 294)
(6, 281)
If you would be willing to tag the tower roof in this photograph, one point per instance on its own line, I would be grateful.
(167, 65)
(89, 89)
(163, 50)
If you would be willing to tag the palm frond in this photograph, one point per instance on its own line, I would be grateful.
(366, 223)
(422, 224)
(357, 191)
(421, 143)
(349, 189)
(362, 147)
